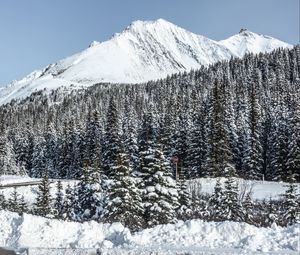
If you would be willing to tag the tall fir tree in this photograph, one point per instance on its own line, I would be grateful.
(43, 204)
(123, 202)
(58, 201)
(253, 159)
(112, 140)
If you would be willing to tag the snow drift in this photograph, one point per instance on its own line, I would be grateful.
(190, 236)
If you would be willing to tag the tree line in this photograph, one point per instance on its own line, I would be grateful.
(239, 117)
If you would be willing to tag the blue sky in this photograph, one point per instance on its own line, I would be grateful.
(34, 33)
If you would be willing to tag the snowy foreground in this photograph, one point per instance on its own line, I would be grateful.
(190, 237)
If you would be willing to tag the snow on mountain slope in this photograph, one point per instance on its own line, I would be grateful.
(246, 41)
(145, 50)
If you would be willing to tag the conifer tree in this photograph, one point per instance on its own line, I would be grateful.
(291, 203)
(130, 137)
(59, 199)
(215, 202)
(8, 164)
(3, 202)
(93, 140)
(23, 207)
(197, 145)
(248, 208)
(184, 198)
(69, 203)
(13, 201)
(51, 150)
(123, 202)
(293, 156)
(253, 160)
(44, 200)
(112, 139)
(219, 157)
(89, 198)
(231, 207)
(160, 194)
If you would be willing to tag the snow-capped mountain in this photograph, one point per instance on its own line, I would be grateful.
(145, 50)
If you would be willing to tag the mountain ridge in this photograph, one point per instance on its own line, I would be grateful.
(143, 51)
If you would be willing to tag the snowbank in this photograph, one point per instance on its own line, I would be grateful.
(191, 236)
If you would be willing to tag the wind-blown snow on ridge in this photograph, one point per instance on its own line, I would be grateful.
(145, 50)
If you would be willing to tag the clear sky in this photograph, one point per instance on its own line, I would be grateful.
(35, 33)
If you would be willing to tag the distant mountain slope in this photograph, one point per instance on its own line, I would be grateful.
(145, 50)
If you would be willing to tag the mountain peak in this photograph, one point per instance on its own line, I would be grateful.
(145, 25)
(243, 30)
(145, 50)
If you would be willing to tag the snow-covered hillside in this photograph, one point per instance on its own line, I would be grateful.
(190, 237)
(145, 50)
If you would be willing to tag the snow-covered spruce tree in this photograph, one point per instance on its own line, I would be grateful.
(65, 154)
(184, 211)
(248, 209)
(59, 201)
(271, 215)
(89, 198)
(216, 201)
(231, 207)
(69, 203)
(130, 135)
(291, 204)
(167, 130)
(160, 196)
(253, 159)
(23, 207)
(13, 201)
(147, 144)
(219, 157)
(197, 144)
(20, 146)
(43, 204)
(293, 157)
(279, 145)
(8, 163)
(123, 202)
(38, 158)
(93, 140)
(242, 132)
(111, 146)
(181, 137)
(199, 203)
(3, 202)
(77, 138)
(16, 203)
(51, 149)
(30, 152)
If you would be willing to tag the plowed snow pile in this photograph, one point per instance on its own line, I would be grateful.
(191, 236)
